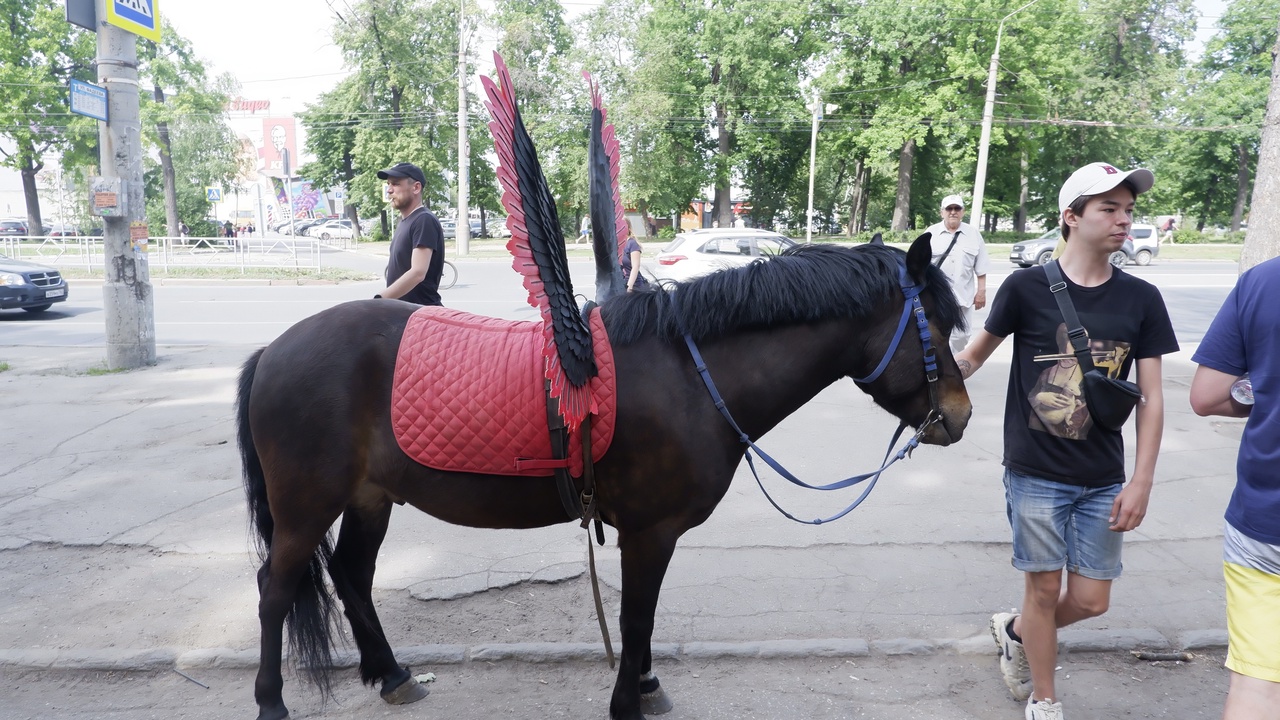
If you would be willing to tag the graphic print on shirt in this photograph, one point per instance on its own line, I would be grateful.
(1057, 400)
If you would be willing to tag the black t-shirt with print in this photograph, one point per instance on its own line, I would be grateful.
(420, 230)
(1048, 432)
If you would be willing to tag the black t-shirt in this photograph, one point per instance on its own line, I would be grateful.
(420, 230)
(1048, 432)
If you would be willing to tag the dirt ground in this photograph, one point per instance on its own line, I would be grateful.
(936, 687)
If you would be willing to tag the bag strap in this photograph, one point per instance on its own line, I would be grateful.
(1075, 330)
(942, 258)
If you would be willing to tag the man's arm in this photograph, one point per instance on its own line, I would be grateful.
(980, 297)
(1130, 506)
(419, 261)
(1211, 394)
(977, 352)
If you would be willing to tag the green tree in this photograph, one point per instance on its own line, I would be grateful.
(40, 52)
(332, 124)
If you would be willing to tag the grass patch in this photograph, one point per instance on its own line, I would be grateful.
(4, 366)
(234, 273)
(102, 369)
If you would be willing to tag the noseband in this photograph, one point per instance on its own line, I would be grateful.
(911, 306)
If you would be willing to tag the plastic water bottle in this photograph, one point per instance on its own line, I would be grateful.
(1242, 390)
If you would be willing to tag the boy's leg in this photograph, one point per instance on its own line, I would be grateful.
(1252, 699)
(1082, 599)
(1039, 629)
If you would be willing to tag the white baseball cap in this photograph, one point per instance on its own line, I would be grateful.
(950, 200)
(1097, 178)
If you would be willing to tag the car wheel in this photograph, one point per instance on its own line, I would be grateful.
(324, 236)
(38, 308)
(1118, 259)
(1143, 257)
(1044, 257)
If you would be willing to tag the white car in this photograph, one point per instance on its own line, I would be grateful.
(1146, 242)
(331, 229)
(700, 252)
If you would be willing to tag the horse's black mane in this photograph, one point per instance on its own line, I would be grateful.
(807, 283)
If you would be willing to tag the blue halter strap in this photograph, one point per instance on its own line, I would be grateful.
(911, 306)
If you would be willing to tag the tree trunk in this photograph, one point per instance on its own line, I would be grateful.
(866, 197)
(1020, 219)
(166, 170)
(35, 224)
(902, 200)
(1242, 186)
(1262, 242)
(855, 200)
(723, 203)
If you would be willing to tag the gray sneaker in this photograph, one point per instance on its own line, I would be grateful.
(1044, 710)
(1013, 661)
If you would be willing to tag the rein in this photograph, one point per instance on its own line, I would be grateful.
(911, 306)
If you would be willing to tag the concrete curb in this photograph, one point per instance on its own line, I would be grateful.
(1079, 641)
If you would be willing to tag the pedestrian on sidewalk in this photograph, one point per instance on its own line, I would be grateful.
(958, 248)
(417, 247)
(1065, 493)
(1242, 350)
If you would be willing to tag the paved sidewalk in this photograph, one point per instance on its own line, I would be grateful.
(124, 539)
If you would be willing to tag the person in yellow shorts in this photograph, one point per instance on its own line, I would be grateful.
(1239, 376)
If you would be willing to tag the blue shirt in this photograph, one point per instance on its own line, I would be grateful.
(1245, 337)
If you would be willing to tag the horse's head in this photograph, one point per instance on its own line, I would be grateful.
(917, 379)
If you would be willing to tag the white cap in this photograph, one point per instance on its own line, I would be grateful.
(950, 200)
(1097, 178)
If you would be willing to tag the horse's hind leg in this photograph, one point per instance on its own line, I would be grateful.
(364, 525)
(645, 557)
(280, 579)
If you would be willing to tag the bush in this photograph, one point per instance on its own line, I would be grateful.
(1008, 237)
(1195, 237)
(666, 233)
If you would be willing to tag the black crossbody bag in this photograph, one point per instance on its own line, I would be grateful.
(1110, 401)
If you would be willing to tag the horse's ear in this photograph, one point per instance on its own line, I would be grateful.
(919, 257)
(877, 240)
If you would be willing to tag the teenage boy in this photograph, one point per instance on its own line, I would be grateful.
(1244, 339)
(1065, 490)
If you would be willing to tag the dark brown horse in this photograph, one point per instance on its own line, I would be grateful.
(316, 437)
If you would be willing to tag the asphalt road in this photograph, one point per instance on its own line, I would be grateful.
(230, 312)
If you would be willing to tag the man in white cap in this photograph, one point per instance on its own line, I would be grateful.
(958, 248)
(1065, 492)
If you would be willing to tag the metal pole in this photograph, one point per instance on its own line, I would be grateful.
(813, 158)
(127, 295)
(463, 226)
(988, 113)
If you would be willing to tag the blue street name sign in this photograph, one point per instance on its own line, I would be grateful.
(89, 100)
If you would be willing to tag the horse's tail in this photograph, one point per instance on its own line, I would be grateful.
(255, 481)
(312, 616)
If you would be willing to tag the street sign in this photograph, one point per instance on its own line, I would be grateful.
(89, 100)
(339, 195)
(140, 17)
(82, 13)
(213, 194)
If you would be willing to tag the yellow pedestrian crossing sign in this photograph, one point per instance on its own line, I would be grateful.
(213, 194)
(140, 17)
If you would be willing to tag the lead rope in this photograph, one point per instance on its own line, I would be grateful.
(589, 513)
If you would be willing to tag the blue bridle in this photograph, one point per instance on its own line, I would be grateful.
(911, 306)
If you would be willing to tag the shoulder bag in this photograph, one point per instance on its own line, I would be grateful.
(1110, 400)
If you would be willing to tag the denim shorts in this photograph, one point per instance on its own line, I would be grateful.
(1056, 525)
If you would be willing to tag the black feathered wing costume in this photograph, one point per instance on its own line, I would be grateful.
(537, 244)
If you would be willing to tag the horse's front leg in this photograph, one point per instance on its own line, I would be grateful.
(645, 556)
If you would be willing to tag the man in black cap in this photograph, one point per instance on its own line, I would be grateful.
(417, 248)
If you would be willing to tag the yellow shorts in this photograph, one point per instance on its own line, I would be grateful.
(1253, 622)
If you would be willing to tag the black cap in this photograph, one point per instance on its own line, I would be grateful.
(404, 170)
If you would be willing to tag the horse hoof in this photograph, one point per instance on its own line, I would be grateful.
(655, 703)
(409, 691)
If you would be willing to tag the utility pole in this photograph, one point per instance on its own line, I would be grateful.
(463, 225)
(988, 115)
(813, 161)
(127, 294)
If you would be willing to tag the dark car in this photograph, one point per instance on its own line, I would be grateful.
(13, 228)
(34, 288)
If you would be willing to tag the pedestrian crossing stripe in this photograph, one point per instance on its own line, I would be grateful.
(140, 17)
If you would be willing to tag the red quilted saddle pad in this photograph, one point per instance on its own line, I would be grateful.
(468, 395)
